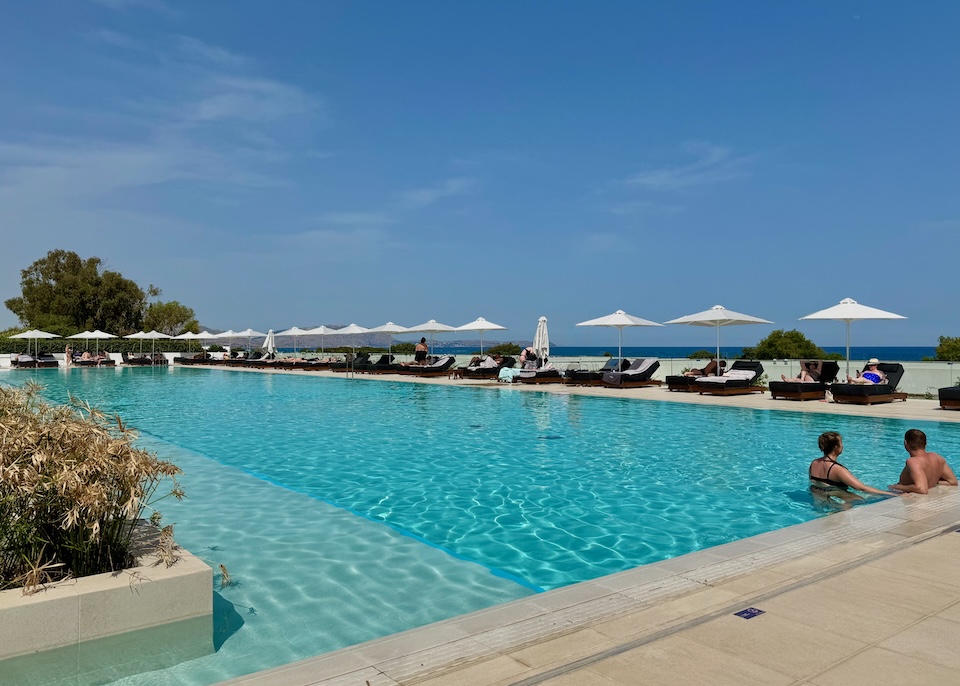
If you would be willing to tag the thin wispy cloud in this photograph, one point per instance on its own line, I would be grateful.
(424, 197)
(712, 164)
(197, 50)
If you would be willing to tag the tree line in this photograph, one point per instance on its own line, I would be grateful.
(63, 293)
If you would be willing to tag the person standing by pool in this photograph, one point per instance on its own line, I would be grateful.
(923, 470)
(829, 477)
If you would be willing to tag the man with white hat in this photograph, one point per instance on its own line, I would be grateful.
(873, 375)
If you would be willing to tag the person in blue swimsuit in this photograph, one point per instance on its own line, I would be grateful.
(830, 478)
(873, 375)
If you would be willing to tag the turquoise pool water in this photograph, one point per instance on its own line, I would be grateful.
(350, 509)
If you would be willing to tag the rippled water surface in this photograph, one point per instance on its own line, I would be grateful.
(347, 509)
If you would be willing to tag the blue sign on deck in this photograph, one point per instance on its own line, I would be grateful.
(749, 613)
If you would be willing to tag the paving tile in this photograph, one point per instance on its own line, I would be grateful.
(757, 582)
(923, 563)
(933, 640)
(928, 597)
(678, 660)
(802, 567)
(570, 647)
(952, 613)
(696, 603)
(634, 624)
(840, 613)
(775, 642)
(877, 666)
(581, 677)
(483, 673)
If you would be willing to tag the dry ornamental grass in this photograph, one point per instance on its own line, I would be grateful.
(72, 487)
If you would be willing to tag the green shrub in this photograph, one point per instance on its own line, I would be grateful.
(504, 349)
(72, 488)
(788, 345)
(702, 354)
(948, 349)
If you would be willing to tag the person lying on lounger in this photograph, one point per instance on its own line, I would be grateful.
(810, 373)
(709, 370)
(485, 362)
(873, 375)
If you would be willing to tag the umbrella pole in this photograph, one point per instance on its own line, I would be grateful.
(848, 348)
(481, 343)
(619, 345)
(718, 347)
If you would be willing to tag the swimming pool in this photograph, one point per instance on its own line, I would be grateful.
(350, 509)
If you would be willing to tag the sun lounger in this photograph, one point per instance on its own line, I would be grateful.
(688, 384)
(481, 372)
(546, 374)
(826, 370)
(384, 365)
(868, 394)
(740, 379)
(351, 363)
(950, 398)
(440, 367)
(587, 377)
(636, 376)
(31, 362)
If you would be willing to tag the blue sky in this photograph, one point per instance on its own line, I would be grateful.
(273, 164)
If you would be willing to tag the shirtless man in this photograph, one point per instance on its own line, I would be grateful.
(923, 470)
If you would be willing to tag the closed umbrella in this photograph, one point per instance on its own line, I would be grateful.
(480, 324)
(431, 327)
(849, 310)
(35, 335)
(541, 340)
(619, 320)
(718, 316)
(269, 344)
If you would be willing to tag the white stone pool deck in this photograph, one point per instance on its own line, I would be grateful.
(866, 596)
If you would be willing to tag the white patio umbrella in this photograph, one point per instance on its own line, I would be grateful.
(191, 336)
(139, 335)
(480, 324)
(96, 335)
(35, 335)
(349, 330)
(249, 334)
(154, 336)
(718, 316)
(269, 343)
(321, 331)
(619, 320)
(541, 340)
(431, 327)
(391, 329)
(295, 332)
(849, 310)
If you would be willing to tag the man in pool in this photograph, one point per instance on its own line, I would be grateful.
(923, 470)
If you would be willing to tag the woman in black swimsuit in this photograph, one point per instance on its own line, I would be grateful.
(829, 477)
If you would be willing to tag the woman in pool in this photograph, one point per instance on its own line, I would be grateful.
(873, 375)
(829, 478)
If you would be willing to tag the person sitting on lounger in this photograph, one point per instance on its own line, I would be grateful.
(528, 358)
(873, 375)
(810, 373)
(829, 477)
(86, 355)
